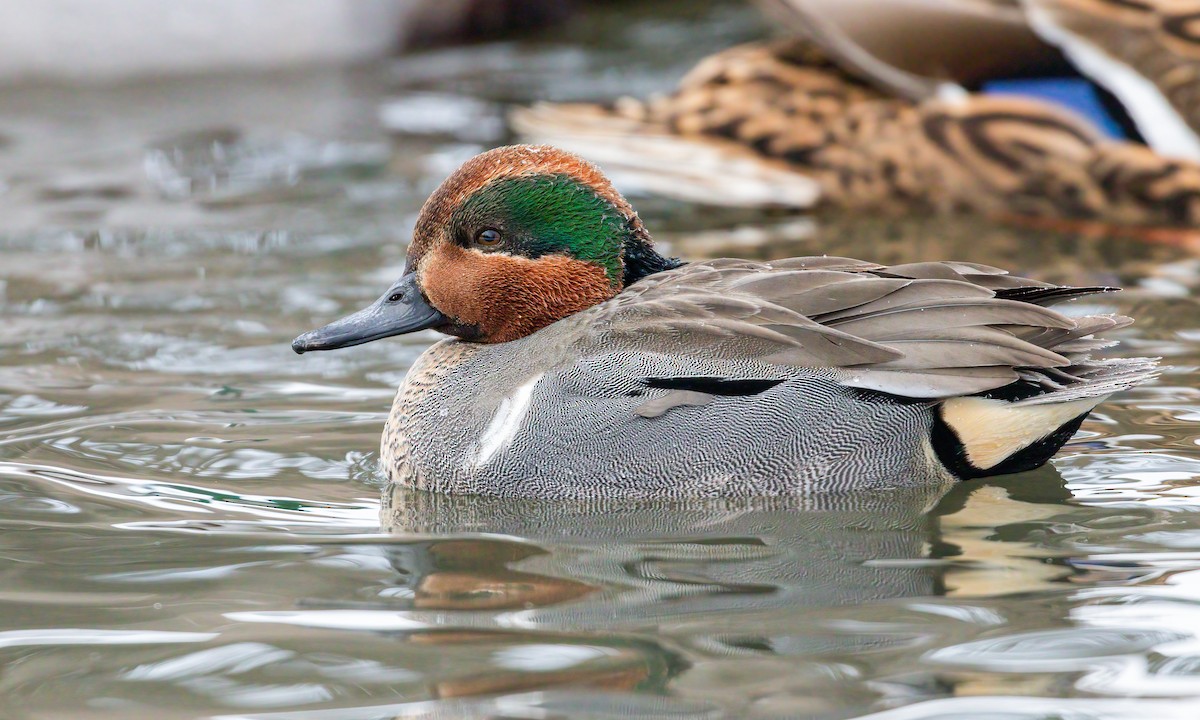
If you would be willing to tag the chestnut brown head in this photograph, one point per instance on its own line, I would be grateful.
(517, 238)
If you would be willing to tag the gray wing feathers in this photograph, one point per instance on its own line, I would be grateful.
(909, 294)
(934, 383)
(970, 347)
(751, 326)
(916, 319)
(922, 330)
(1093, 379)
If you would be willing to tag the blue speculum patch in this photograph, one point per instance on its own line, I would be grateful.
(1076, 94)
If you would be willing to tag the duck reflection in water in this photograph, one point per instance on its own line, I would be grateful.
(777, 580)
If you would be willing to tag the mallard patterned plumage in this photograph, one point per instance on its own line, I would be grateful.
(799, 128)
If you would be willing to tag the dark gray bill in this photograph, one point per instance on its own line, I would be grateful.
(402, 309)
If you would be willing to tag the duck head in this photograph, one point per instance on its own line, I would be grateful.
(516, 239)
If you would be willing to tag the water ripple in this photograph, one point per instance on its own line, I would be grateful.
(1051, 650)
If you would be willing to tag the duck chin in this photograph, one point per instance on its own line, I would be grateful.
(463, 331)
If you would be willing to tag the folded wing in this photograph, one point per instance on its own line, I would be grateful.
(924, 330)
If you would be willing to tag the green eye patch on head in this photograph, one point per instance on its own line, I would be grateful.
(548, 214)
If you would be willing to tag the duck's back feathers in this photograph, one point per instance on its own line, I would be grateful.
(741, 128)
(923, 330)
(779, 110)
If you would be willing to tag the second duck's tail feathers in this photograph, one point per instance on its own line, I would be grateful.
(645, 158)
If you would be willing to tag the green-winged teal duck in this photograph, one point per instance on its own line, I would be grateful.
(585, 364)
(912, 104)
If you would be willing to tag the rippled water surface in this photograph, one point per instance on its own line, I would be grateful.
(193, 524)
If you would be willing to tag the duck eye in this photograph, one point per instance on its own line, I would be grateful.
(487, 237)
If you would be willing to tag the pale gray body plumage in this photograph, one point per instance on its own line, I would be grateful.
(637, 397)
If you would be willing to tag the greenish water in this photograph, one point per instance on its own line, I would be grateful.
(192, 523)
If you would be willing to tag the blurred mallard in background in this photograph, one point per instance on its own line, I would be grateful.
(1079, 110)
